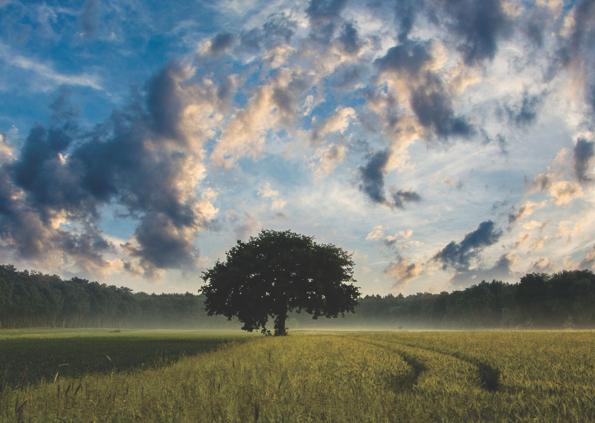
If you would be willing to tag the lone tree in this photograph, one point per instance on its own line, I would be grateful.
(278, 272)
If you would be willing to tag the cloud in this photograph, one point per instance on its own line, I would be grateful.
(407, 233)
(525, 112)
(324, 15)
(564, 192)
(402, 197)
(221, 42)
(47, 72)
(501, 270)
(349, 40)
(433, 108)
(250, 226)
(274, 105)
(405, 14)
(372, 183)
(372, 176)
(542, 264)
(409, 57)
(459, 255)
(583, 153)
(278, 29)
(146, 158)
(419, 93)
(337, 123)
(6, 150)
(588, 261)
(477, 25)
(267, 191)
(576, 49)
(159, 242)
(376, 233)
(526, 210)
(402, 271)
(325, 9)
(329, 157)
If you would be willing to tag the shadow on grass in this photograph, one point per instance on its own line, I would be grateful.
(25, 361)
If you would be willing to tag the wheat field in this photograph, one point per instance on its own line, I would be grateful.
(305, 377)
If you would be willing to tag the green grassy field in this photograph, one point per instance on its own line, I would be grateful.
(318, 377)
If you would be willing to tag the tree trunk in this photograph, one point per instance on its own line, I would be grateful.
(280, 324)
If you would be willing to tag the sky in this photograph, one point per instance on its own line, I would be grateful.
(440, 142)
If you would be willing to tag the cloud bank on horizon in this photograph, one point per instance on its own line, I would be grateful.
(442, 142)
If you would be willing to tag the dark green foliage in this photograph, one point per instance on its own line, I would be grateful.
(29, 299)
(276, 273)
(538, 300)
(564, 299)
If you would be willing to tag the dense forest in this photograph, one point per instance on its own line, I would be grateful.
(565, 299)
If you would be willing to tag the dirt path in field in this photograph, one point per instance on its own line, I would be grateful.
(488, 375)
(411, 378)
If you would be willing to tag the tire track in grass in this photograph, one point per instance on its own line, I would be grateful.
(489, 376)
(408, 380)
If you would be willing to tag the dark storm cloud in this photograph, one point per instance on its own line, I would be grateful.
(221, 42)
(405, 14)
(478, 25)
(409, 56)
(135, 159)
(161, 244)
(163, 105)
(402, 197)
(534, 32)
(430, 100)
(40, 171)
(524, 112)
(324, 16)
(21, 229)
(372, 176)
(583, 153)
(349, 39)
(325, 9)
(86, 247)
(433, 107)
(459, 255)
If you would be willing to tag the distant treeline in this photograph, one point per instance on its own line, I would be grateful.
(565, 299)
(31, 299)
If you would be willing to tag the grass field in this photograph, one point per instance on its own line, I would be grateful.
(319, 377)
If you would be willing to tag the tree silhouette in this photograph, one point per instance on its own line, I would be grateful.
(278, 272)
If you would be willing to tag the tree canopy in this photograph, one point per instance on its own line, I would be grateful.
(278, 272)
